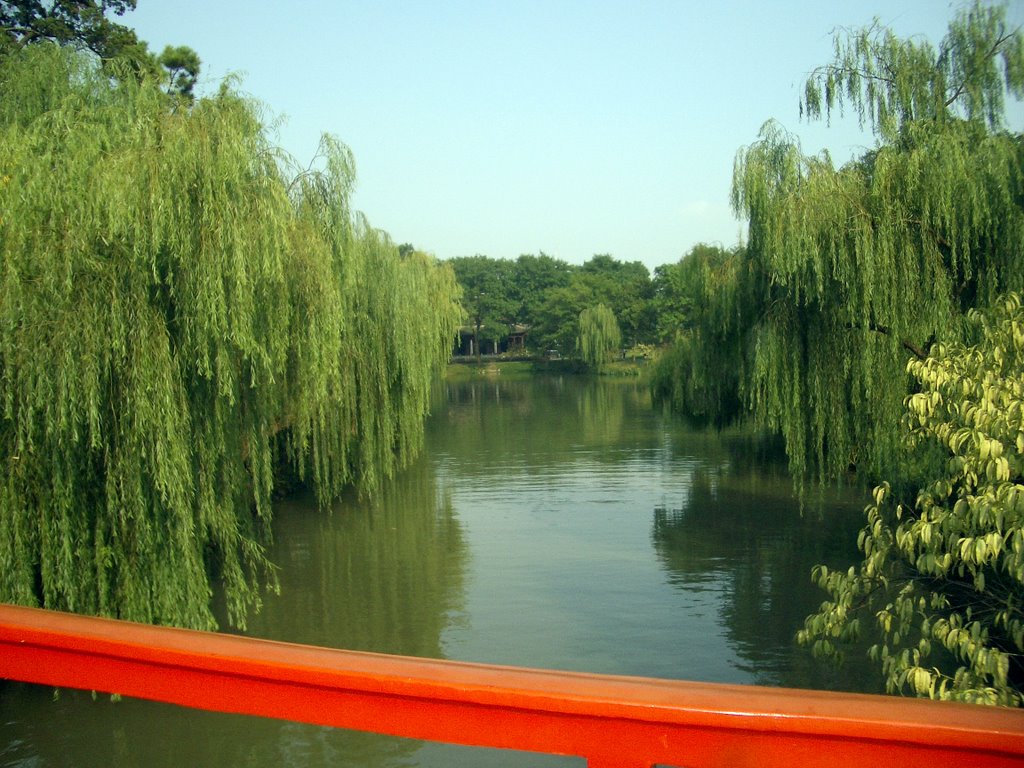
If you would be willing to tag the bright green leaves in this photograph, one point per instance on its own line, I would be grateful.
(852, 270)
(598, 338)
(390, 329)
(175, 315)
(950, 570)
(545, 295)
(891, 82)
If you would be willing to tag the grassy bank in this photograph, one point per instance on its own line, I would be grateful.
(467, 370)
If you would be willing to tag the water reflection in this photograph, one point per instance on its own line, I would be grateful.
(535, 422)
(554, 478)
(747, 529)
(523, 536)
(77, 730)
(382, 574)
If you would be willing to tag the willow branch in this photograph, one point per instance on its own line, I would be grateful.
(905, 343)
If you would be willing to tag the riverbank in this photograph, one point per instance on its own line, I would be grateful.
(469, 368)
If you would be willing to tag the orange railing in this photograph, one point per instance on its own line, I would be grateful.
(610, 721)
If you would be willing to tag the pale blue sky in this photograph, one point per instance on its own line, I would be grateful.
(568, 127)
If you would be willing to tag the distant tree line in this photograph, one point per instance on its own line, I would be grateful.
(546, 296)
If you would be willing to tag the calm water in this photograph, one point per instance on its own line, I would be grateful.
(552, 523)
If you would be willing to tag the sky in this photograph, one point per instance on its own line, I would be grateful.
(569, 127)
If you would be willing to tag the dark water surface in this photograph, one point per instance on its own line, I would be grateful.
(558, 523)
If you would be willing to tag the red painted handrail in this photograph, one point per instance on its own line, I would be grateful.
(609, 720)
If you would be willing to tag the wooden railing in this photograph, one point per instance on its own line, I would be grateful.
(610, 721)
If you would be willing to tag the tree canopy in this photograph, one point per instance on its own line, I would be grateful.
(85, 24)
(180, 312)
(706, 295)
(182, 66)
(850, 270)
(599, 337)
(534, 276)
(626, 288)
(546, 295)
(947, 571)
(77, 22)
(892, 83)
(487, 289)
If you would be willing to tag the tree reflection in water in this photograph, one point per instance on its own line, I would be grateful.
(720, 531)
(384, 575)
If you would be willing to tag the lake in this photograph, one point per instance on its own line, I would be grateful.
(556, 522)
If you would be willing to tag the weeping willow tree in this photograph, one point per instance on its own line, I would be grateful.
(886, 260)
(699, 375)
(399, 316)
(176, 313)
(850, 271)
(598, 336)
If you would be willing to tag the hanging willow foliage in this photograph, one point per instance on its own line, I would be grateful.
(598, 337)
(850, 271)
(699, 376)
(399, 316)
(172, 311)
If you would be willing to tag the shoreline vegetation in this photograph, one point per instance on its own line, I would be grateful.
(507, 367)
(184, 309)
(874, 322)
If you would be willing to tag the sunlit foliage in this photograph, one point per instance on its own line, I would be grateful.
(891, 83)
(850, 271)
(177, 313)
(943, 578)
(598, 337)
